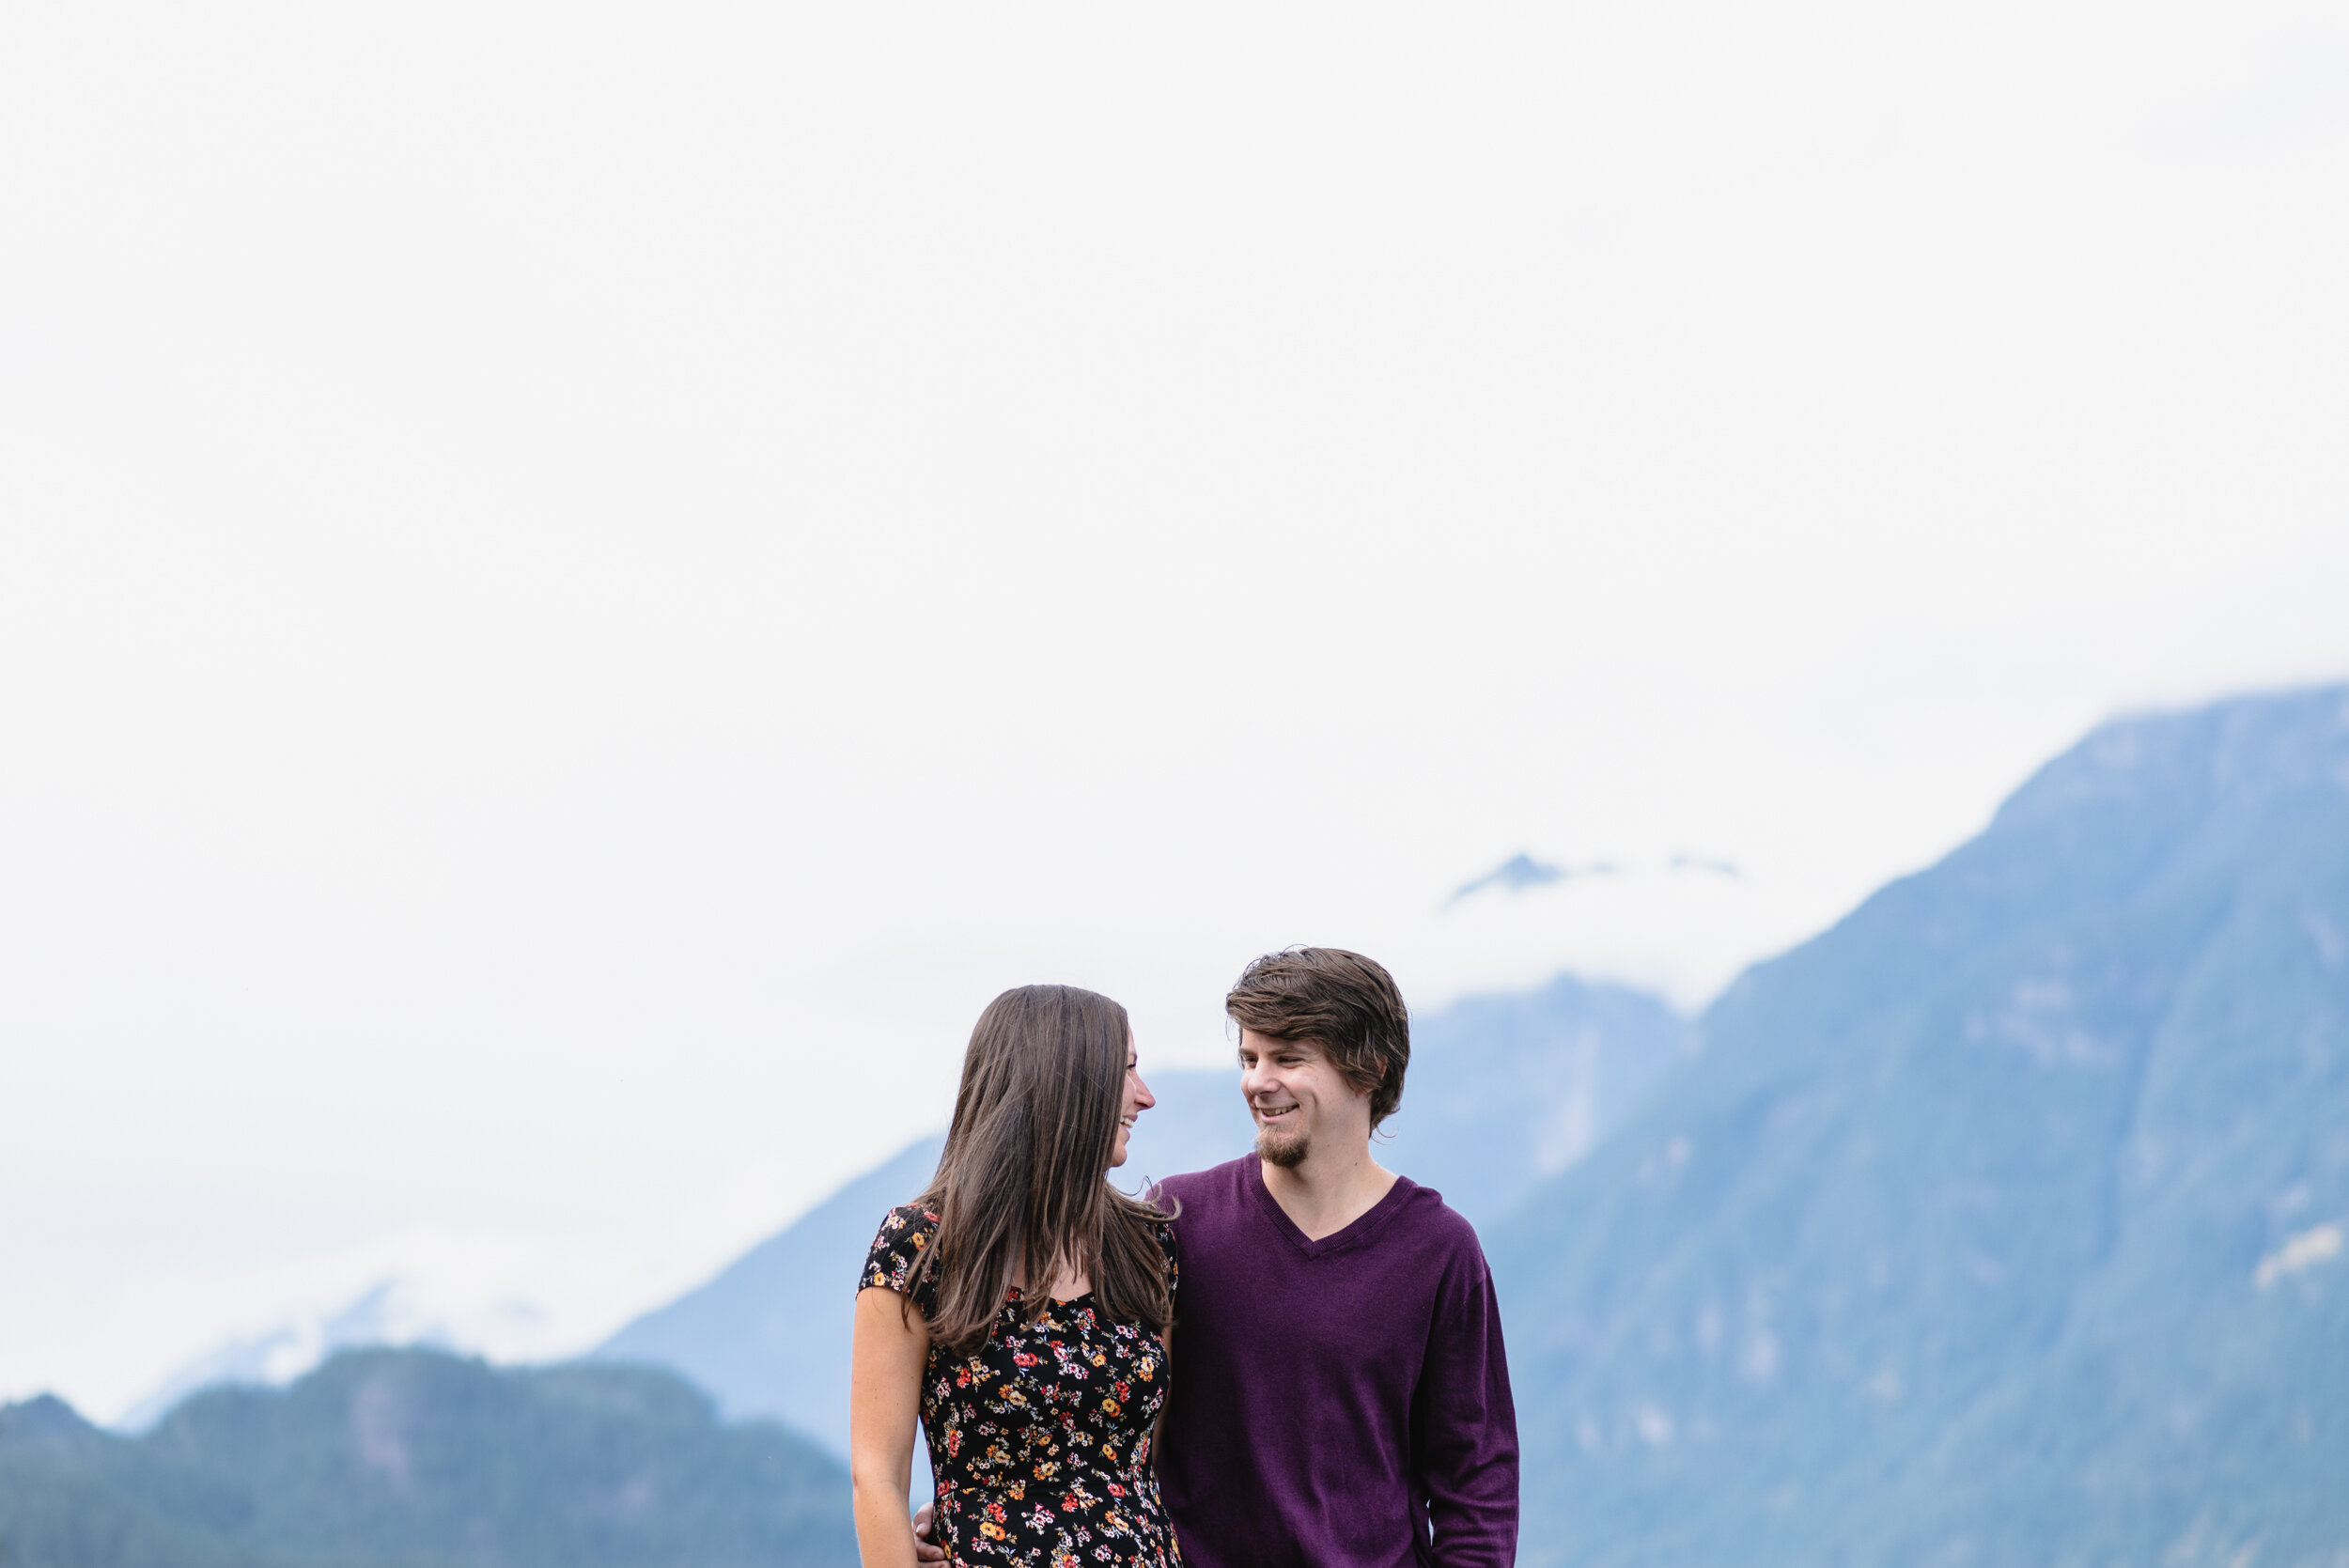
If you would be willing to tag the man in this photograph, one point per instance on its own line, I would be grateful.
(1341, 1397)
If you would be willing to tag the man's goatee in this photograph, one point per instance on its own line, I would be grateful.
(1287, 1152)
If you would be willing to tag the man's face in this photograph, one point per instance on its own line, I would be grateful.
(1298, 1098)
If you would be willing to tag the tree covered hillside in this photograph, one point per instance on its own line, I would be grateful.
(2002, 1223)
(415, 1459)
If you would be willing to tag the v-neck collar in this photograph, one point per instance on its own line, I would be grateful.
(1364, 1225)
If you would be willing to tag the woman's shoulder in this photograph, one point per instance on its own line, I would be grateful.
(906, 1233)
(916, 1217)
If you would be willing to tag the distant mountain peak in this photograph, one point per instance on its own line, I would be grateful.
(43, 1417)
(2245, 753)
(1522, 871)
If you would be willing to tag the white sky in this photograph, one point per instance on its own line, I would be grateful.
(579, 585)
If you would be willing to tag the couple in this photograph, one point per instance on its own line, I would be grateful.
(1294, 1358)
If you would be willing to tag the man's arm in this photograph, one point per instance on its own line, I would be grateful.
(1465, 1437)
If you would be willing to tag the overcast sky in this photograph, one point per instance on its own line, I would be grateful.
(579, 586)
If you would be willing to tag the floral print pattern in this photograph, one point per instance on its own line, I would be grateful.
(1040, 1440)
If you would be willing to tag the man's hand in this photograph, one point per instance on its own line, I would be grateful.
(924, 1548)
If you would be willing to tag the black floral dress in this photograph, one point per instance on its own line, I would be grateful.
(1040, 1440)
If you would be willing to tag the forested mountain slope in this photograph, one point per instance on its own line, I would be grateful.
(417, 1459)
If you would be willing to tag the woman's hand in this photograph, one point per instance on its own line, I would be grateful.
(926, 1545)
(891, 1345)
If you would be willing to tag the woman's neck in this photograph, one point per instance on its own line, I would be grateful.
(1066, 1279)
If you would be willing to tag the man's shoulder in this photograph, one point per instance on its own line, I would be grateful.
(1216, 1187)
(1434, 1225)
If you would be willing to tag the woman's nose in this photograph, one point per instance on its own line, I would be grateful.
(1143, 1099)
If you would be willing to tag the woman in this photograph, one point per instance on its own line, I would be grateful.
(1022, 1308)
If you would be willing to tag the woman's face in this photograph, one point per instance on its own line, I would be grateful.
(1138, 1099)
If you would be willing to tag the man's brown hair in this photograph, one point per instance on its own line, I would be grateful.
(1342, 1001)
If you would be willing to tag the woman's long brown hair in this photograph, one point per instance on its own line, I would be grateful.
(1024, 1177)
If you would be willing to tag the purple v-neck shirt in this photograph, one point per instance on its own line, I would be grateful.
(1341, 1403)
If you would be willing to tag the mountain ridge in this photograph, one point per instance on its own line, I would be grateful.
(417, 1458)
(1928, 1261)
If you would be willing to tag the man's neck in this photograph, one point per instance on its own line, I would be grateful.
(1328, 1191)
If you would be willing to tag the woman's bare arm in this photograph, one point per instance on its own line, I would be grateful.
(889, 1349)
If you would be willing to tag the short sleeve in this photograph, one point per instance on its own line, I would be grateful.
(895, 1259)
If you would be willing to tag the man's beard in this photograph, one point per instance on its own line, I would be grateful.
(1281, 1147)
